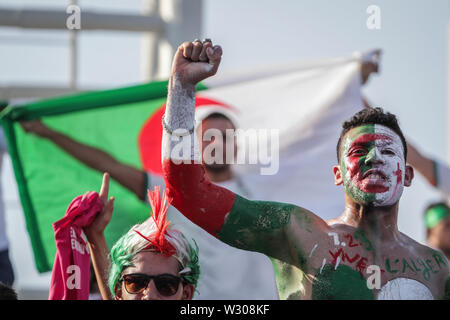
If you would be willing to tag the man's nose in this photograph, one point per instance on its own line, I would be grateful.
(374, 156)
(151, 293)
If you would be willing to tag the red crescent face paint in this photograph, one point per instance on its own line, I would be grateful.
(373, 165)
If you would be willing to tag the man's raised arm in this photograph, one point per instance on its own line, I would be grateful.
(265, 227)
(187, 187)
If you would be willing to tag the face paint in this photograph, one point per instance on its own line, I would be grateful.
(373, 165)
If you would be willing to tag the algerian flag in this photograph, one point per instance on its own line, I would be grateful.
(306, 103)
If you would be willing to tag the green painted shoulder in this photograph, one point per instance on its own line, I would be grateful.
(447, 289)
(256, 225)
(259, 216)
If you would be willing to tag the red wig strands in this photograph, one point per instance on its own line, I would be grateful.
(158, 240)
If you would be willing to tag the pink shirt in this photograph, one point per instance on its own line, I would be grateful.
(71, 270)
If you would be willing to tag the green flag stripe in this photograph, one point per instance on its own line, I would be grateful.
(134, 99)
(90, 100)
(30, 219)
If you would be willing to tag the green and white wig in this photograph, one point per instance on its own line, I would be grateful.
(153, 234)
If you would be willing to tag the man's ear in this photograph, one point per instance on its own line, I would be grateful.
(428, 234)
(338, 180)
(188, 291)
(409, 175)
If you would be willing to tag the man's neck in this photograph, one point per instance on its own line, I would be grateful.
(219, 176)
(378, 223)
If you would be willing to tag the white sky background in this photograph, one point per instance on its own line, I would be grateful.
(412, 83)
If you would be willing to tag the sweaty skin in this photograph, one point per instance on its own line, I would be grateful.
(312, 259)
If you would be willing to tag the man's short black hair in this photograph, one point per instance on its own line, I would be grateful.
(372, 116)
(7, 293)
(219, 115)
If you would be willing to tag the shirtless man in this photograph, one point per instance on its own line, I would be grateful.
(359, 255)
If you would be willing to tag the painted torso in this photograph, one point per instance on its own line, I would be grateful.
(340, 268)
(316, 260)
(337, 268)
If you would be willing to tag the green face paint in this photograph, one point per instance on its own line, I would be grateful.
(435, 215)
(372, 165)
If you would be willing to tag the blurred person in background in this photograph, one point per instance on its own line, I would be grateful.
(7, 293)
(437, 222)
(436, 172)
(6, 269)
(437, 215)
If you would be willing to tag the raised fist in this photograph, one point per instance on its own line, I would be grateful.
(196, 61)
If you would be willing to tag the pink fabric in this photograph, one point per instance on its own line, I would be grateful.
(71, 270)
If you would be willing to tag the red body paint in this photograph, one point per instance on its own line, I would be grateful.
(150, 135)
(359, 261)
(202, 202)
(351, 244)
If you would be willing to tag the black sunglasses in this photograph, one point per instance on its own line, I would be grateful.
(166, 284)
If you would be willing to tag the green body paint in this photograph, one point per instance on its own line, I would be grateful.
(426, 270)
(447, 289)
(406, 265)
(439, 260)
(416, 265)
(350, 187)
(361, 237)
(251, 225)
(430, 266)
(289, 280)
(260, 226)
(388, 266)
(344, 283)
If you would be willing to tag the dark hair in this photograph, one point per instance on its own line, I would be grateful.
(372, 116)
(218, 115)
(3, 105)
(7, 293)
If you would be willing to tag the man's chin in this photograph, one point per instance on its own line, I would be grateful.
(216, 168)
(376, 204)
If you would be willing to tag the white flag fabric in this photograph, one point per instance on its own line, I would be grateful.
(306, 104)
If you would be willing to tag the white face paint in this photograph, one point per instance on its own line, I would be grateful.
(373, 165)
(404, 289)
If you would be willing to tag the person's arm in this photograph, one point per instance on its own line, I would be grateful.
(275, 229)
(423, 164)
(96, 240)
(128, 176)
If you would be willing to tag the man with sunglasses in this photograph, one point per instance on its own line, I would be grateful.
(150, 262)
(359, 255)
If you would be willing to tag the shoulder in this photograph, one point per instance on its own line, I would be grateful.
(424, 251)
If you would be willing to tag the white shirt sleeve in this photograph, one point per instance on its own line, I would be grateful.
(3, 146)
(153, 181)
(443, 177)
